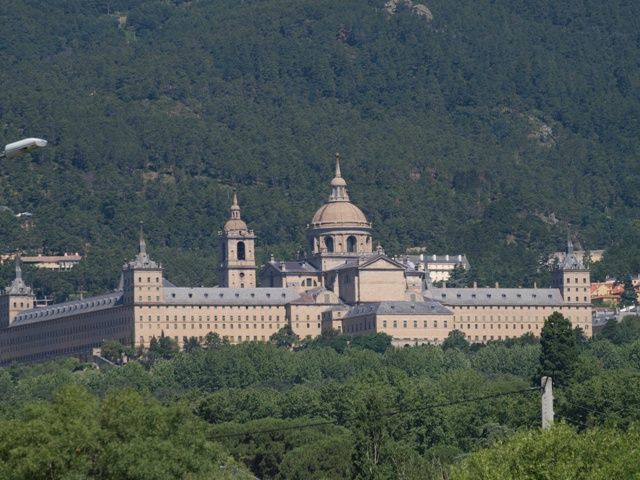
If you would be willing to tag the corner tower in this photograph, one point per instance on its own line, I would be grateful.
(17, 297)
(572, 278)
(237, 251)
(142, 278)
(339, 230)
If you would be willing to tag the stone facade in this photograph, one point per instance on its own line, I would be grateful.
(341, 284)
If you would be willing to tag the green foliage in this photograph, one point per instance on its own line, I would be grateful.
(314, 412)
(378, 342)
(628, 297)
(558, 453)
(625, 331)
(455, 339)
(123, 436)
(163, 347)
(115, 352)
(285, 337)
(559, 349)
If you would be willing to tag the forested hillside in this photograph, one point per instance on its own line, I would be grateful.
(487, 129)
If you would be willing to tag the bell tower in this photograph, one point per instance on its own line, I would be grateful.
(142, 281)
(16, 298)
(237, 251)
(572, 278)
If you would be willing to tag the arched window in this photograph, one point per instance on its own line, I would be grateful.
(241, 251)
(352, 244)
(328, 242)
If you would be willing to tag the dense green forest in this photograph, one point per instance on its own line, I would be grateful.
(334, 407)
(487, 130)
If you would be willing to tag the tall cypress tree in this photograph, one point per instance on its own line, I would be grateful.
(560, 349)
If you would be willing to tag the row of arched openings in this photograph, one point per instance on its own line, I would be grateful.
(352, 244)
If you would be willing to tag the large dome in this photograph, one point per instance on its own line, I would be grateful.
(235, 224)
(339, 213)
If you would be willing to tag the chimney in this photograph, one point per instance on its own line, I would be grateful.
(535, 284)
(422, 258)
(475, 284)
(459, 258)
(447, 257)
(434, 257)
(497, 285)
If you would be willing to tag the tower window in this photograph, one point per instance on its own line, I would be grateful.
(328, 243)
(241, 251)
(351, 244)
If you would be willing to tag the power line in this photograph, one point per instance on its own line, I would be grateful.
(380, 415)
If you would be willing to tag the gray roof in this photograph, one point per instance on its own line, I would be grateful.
(496, 296)
(571, 261)
(366, 260)
(18, 287)
(296, 266)
(428, 307)
(91, 304)
(229, 296)
(309, 297)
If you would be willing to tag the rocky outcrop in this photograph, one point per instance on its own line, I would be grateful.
(391, 6)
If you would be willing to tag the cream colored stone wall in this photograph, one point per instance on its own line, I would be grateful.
(577, 287)
(236, 323)
(381, 285)
(485, 323)
(143, 286)
(405, 329)
(306, 320)
(12, 305)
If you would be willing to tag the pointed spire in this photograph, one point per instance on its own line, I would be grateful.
(338, 185)
(569, 243)
(235, 207)
(143, 244)
(142, 259)
(18, 267)
(18, 287)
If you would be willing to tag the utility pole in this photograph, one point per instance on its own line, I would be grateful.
(547, 402)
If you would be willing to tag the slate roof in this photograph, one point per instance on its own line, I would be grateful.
(309, 297)
(428, 307)
(295, 266)
(229, 296)
(496, 296)
(91, 304)
(364, 261)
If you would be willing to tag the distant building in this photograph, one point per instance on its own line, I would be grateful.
(50, 262)
(343, 283)
(439, 267)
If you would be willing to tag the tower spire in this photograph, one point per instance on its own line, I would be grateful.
(569, 243)
(235, 207)
(18, 267)
(338, 185)
(143, 244)
(18, 287)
